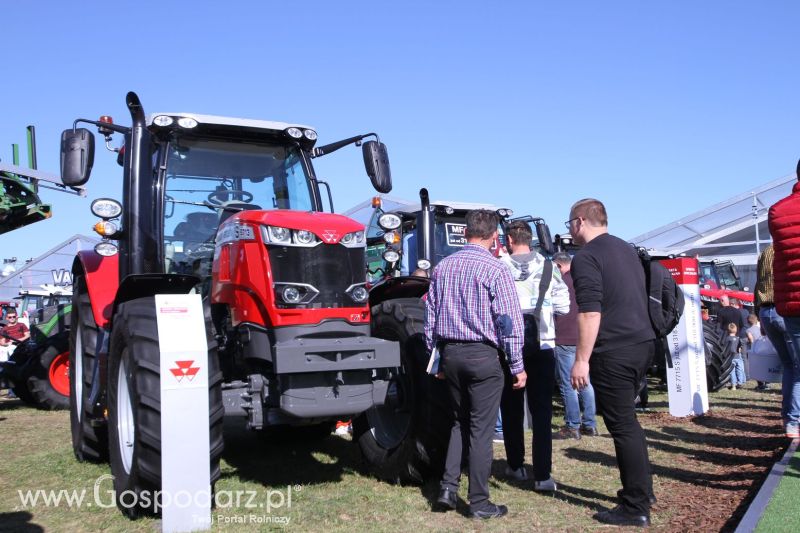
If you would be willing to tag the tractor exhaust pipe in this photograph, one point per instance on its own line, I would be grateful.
(425, 214)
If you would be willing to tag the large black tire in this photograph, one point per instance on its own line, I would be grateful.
(49, 380)
(406, 440)
(89, 442)
(718, 365)
(134, 371)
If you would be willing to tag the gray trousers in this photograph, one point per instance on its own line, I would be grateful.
(475, 379)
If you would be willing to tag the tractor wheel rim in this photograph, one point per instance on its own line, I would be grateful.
(59, 373)
(126, 431)
(77, 374)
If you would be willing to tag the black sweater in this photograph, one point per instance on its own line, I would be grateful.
(609, 279)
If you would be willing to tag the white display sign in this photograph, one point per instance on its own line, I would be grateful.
(185, 466)
(686, 380)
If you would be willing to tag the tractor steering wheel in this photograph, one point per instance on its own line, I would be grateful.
(215, 197)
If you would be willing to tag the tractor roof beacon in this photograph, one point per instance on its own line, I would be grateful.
(231, 209)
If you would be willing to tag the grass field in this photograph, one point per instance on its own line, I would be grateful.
(783, 511)
(705, 471)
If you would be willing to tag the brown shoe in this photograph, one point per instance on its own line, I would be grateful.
(567, 433)
(591, 432)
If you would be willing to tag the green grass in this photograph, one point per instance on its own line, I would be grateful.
(331, 492)
(783, 511)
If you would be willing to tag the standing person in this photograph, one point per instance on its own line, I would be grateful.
(785, 233)
(566, 341)
(14, 330)
(733, 348)
(616, 344)
(541, 294)
(728, 314)
(775, 329)
(472, 317)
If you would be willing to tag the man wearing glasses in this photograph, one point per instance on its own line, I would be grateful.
(615, 345)
(14, 330)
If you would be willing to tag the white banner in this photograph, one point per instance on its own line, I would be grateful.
(686, 380)
(185, 465)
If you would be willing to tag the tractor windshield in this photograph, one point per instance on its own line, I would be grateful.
(207, 180)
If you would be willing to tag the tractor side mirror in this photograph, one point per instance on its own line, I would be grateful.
(376, 162)
(545, 239)
(77, 156)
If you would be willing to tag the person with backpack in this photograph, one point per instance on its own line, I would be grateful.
(542, 293)
(616, 343)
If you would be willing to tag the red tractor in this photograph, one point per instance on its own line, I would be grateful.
(718, 277)
(229, 209)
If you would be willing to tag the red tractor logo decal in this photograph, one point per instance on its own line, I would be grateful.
(330, 235)
(185, 370)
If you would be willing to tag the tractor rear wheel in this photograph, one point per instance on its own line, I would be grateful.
(718, 365)
(405, 440)
(49, 381)
(89, 442)
(134, 404)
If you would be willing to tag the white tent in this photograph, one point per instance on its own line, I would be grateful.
(53, 267)
(735, 229)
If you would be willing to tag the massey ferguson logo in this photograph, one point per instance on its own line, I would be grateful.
(185, 370)
(330, 235)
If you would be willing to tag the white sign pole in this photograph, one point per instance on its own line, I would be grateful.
(185, 466)
(686, 380)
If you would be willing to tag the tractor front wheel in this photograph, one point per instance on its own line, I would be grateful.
(49, 381)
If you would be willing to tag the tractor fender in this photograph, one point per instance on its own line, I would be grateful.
(400, 287)
(101, 275)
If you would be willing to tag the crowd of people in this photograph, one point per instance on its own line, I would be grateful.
(508, 329)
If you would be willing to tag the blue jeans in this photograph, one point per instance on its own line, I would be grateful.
(737, 375)
(565, 358)
(781, 339)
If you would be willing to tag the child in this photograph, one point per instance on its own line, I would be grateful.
(734, 346)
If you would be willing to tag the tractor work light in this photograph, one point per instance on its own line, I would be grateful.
(106, 208)
(311, 135)
(391, 237)
(163, 121)
(294, 133)
(104, 228)
(505, 212)
(389, 221)
(187, 123)
(291, 295)
(449, 210)
(358, 293)
(106, 249)
(391, 256)
(424, 264)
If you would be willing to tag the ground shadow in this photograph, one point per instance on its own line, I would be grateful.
(717, 481)
(716, 422)
(19, 521)
(11, 404)
(275, 460)
(671, 433)
(703, 454)
(734, 405)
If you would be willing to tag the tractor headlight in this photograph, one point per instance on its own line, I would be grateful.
(294, 133)
(276, 235)
(389, 221)
(291, 295)
(391, 256)
(358, 293)
(391, 237)
(353, 239)
(106, 208)
(311, 135)
(304, 237)
(106, 249)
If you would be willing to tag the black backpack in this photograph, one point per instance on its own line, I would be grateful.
(664, 297)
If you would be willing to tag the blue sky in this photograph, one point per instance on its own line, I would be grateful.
(657, 108)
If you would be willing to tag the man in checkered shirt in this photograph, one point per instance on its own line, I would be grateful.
(473, 317)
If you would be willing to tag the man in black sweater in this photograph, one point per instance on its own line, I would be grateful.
(615, 345)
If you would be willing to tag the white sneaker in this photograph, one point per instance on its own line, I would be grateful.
(520, 474)
(548, 485)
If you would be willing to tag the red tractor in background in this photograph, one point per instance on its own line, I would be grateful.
(718, 277)
(229, 209)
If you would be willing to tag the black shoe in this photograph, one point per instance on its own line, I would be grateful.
(619, 517)
(446, 501)
(490, 511)
(567, 433)
(653, 500)
(591, 432)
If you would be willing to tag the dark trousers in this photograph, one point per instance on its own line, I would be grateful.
(475, 379)
(540, 365)
(616, 377)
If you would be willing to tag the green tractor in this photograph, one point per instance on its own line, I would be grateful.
(36, 370)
